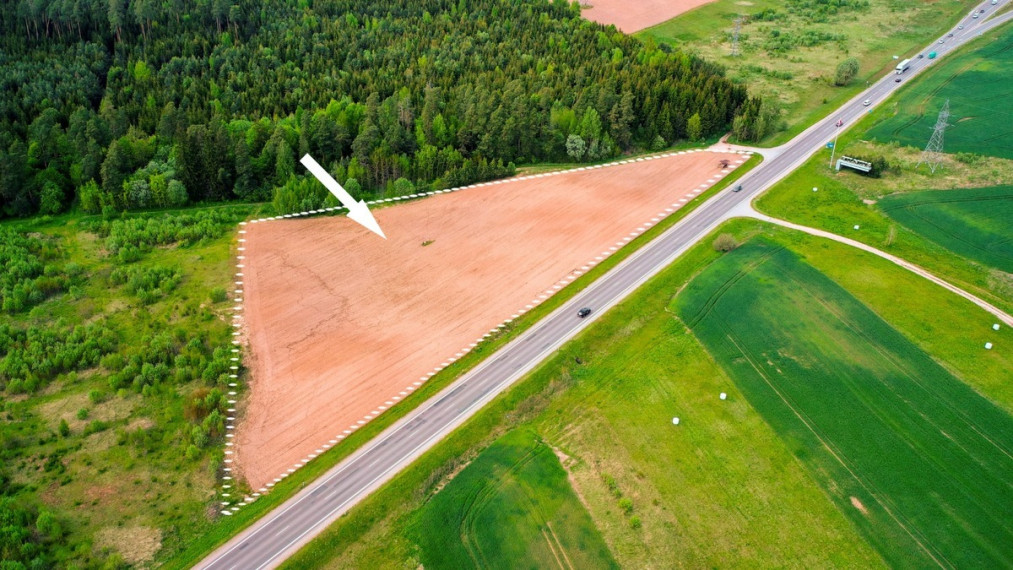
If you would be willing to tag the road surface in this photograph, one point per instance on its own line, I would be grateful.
(283, 531)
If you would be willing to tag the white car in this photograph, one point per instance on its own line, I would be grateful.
(866, 102)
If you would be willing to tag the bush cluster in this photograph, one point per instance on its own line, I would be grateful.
(30, 270)
(129, 238)
(31, 357)
(149, 284)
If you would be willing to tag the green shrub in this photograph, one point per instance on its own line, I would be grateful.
(219, 294)
(725, 243)
(82, 414)
(626, 505)
(64, 428)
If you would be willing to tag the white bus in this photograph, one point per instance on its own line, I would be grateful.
(902, 66)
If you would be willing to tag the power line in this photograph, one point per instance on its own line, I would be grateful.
(932, 155)
(734, 35)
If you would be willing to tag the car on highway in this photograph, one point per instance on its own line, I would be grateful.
(897, 80)
(921, 55)
(960, 27)
(940, 41)
(738, 188)
(584, 312)
(975, 16)
(949, 35)
(866, 102)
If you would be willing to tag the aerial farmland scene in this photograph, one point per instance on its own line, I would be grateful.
(446, 284)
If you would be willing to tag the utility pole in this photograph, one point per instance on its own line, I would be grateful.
(833, 147)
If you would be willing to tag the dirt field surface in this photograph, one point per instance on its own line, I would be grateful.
(340, 323)
(635, 15)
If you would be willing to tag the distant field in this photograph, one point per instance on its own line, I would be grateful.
(512, 507)
(977, 84)
(918, 460)
(976, 223)
(789, 51)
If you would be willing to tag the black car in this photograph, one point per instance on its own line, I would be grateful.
(584, 312)
(897, 80)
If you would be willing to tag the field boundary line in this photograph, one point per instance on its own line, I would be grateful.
(230, 506)
(576, 169)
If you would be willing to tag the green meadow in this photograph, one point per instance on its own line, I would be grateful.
(917, 459)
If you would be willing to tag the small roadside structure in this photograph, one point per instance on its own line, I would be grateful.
(854, 163)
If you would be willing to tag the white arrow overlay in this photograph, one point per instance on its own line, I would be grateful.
(357, 211)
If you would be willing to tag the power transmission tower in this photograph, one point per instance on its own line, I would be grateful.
(933, 151)
(735, 35)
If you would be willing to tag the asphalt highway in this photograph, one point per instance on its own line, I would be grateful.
(283, 531)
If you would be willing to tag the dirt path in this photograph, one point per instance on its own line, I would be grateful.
(341, 324)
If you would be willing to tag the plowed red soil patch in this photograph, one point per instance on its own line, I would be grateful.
(635, 15)
(339, 320)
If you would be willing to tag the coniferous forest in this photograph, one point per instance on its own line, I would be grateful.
(131, 104)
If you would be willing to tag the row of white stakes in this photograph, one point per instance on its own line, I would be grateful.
(230, 506)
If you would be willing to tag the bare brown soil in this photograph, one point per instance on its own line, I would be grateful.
(340, 321)
(635, 15)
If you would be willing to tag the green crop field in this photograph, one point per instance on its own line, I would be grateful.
(510, 508)
(978, 86)
(918, 460)
(789, 51)
(976, 223)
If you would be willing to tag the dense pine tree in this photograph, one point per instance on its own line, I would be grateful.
(233, 91)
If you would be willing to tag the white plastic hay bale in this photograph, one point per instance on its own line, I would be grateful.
(995, 327)
(675, 421)
(988, 346)
(723, 396)
(815, 188)
(856, 226)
